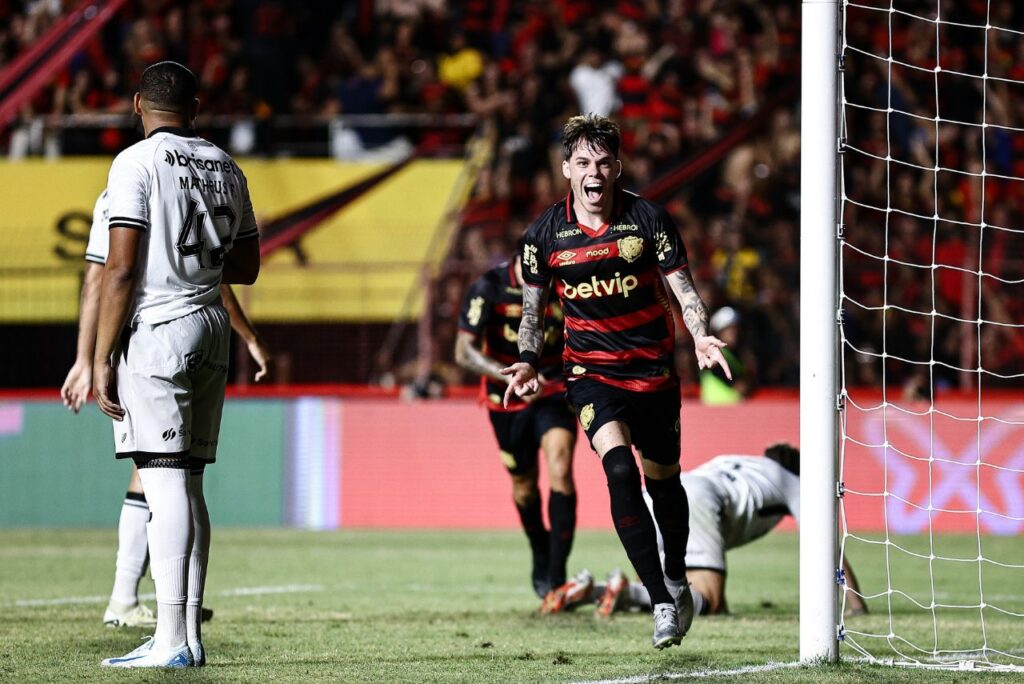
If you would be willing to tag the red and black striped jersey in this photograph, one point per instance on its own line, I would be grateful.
(491, 312)
(618, 320)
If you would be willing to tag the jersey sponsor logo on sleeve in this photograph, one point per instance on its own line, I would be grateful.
(662, 246)
(530, 258)
(476, 307)
(630, 248)
(600, 287)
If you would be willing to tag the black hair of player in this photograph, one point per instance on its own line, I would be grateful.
(169, 86)
(593, 131)
(786, 455)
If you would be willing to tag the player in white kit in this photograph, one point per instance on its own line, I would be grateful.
(734, 500)
(124, 608)
(181, 223)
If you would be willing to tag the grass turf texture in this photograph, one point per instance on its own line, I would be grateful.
(423, 607)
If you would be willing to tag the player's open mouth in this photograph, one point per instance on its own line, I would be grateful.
(593, 191)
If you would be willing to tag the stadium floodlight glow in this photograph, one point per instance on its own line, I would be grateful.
(818, 145)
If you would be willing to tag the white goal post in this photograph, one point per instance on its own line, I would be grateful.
(818, 336)
(912, 332)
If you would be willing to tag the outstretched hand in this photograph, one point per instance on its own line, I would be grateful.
(522, 381)
(709, 353)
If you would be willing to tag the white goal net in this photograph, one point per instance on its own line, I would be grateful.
(931, 264)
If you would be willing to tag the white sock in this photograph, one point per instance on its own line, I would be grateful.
(199, 557)
(700, 604)
(170, 542)
(132, 549)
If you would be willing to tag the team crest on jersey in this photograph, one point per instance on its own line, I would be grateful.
(587, 416)
(578, 370)
(630, 248)
(476, 306)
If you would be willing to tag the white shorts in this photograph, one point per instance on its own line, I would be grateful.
(170, 382)
(705, 548)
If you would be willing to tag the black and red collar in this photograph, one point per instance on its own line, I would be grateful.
(570, 213)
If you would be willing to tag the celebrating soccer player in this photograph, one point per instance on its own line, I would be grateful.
(605, 250)
(181, 223)
(491, 314)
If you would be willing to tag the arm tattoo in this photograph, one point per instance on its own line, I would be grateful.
(468, 356)
(695, 312)
(531, 329)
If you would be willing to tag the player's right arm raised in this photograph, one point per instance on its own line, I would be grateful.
(524, 380)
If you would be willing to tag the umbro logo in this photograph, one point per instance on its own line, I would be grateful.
(170, 434)
(566, 256)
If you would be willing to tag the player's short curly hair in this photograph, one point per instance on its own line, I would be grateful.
(786, 455)
(169, 86)
(594, 131)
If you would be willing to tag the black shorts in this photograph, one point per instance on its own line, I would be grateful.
(652, 417)
(519, 432)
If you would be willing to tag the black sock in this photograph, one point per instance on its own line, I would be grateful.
(633, 521)
(562, 513)
(672, 514)
(537, 534)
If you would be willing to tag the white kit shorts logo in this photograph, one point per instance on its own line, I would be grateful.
(601, 288)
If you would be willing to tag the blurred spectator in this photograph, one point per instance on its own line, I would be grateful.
(715, 388)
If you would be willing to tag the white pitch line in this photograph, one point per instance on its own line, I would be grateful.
(698, 674)
(240, 591)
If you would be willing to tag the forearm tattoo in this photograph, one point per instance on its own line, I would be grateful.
(531, 328)
(695, 312)
(472, 359)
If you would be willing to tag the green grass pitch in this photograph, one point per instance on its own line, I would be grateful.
(366, 606)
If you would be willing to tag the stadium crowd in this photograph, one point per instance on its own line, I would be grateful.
(679, 75)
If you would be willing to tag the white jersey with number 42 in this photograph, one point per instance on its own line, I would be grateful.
(191, 201)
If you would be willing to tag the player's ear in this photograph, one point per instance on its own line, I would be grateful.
(619, 173)
(137, 104)
(565, 170)
(195, 110)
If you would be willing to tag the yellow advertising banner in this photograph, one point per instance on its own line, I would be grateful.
(341, 254)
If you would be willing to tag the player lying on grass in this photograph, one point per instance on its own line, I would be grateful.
(124, 608)
(488, 332)
(734, 500)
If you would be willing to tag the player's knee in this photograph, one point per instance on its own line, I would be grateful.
(524, 490)
(560, 473)
(620, 466)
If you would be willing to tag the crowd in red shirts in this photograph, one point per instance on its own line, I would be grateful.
(679, 76)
